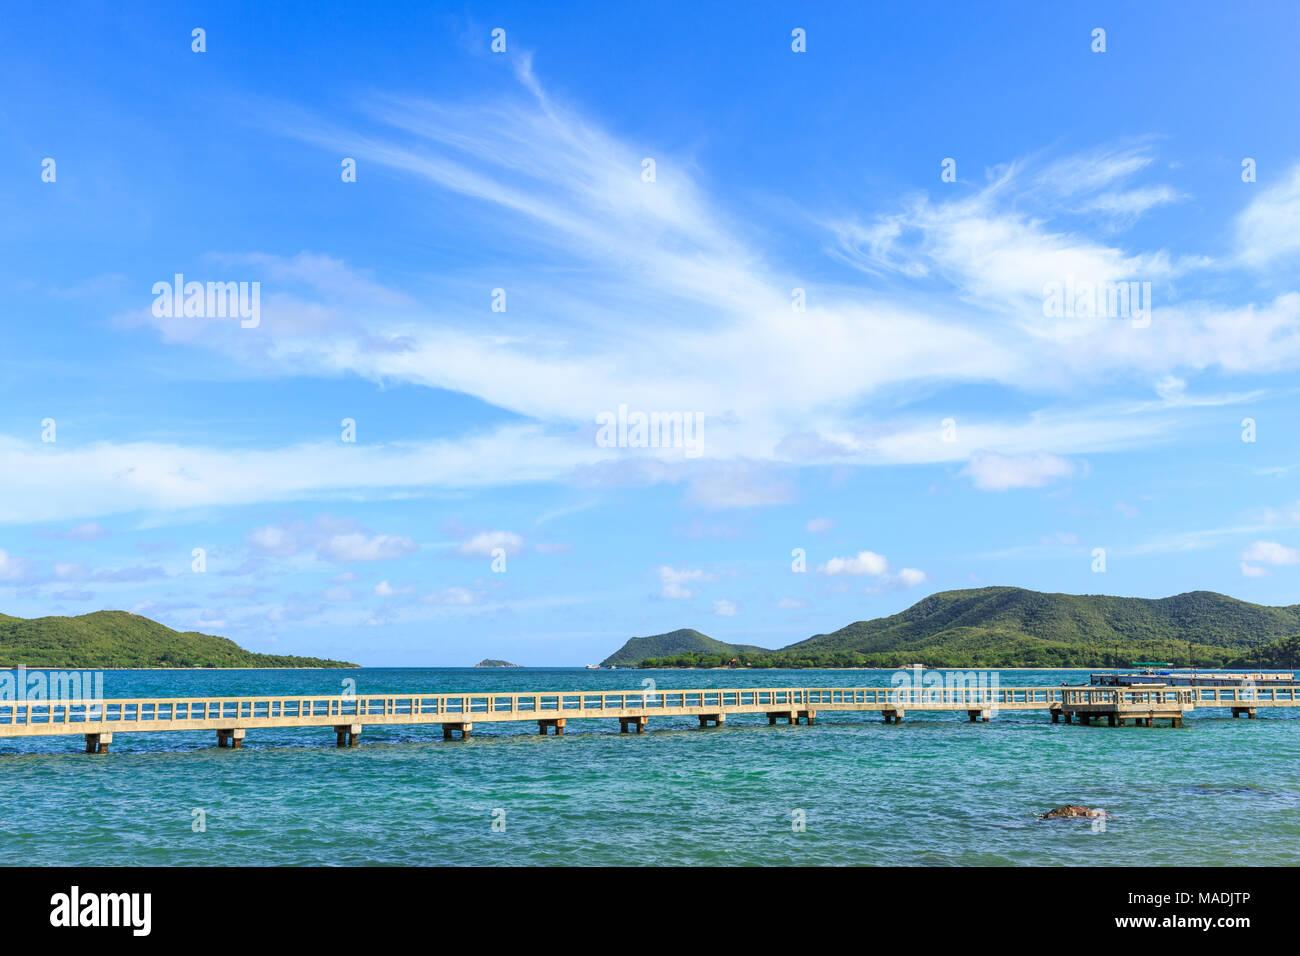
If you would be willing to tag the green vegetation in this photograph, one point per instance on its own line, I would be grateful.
(493, 662)
(107, 639)
(1013, 627)
(684, 641)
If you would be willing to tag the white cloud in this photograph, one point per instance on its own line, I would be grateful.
(330, 539)
(787, 602)
(664, 283)
(910, 577)
(90, 531)
(358, 546)
(673, 582)
(819, 525)
(1269, 228)
(1270, 552)
(1253, 571)
(870, 564)
(866, 562)
(384, 589)
(70, 571)
(739, 484)
(11, 568)
(990, 471)
(724, 608)
(484, 543)
(274, 541)
(451, 596)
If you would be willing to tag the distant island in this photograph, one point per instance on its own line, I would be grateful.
(489, 662)
(1014, 627)
(113, 639)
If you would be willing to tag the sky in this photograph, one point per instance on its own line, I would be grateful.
(850, 245)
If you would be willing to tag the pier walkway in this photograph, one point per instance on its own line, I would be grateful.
(230, 718)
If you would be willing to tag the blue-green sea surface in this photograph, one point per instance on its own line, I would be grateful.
(934, 790)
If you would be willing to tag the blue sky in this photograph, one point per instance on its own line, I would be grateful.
(925, 300)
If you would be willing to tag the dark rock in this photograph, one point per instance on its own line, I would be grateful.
(1070, 811)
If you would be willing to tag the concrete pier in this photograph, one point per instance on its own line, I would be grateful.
(347, 735)
(230, 718)
(1143, 704)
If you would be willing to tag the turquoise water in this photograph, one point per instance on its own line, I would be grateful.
(933, 790)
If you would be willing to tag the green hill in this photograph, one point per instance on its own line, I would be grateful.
(684, 641)
(119, 639)
(1014, 627)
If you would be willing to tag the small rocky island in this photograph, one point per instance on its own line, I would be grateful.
(489, 662)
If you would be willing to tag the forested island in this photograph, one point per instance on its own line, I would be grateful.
(1015, 627)
(118, 639)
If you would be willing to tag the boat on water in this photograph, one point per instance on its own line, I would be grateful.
(593, 667)
(1170, 676)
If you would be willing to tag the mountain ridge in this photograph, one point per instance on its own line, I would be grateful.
(1010, 626)
(112, 639)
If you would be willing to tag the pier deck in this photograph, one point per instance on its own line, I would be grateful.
(230, 718)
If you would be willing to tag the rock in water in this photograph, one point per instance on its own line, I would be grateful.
(1069, 811)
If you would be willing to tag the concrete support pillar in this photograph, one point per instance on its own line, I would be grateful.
(809, 716)
(1069, 718)
(545, 724)
(984, 714)
(1248, 711)
(893, 716)
(789, 716)
(1056, 716)
(1110, 720)
(98, 743)
(449, 729)
(716, 719)
(233, 737)
(346, 734)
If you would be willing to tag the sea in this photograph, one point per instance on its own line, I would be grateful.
(934, 790)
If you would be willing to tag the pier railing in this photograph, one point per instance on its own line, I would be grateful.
(42, 717)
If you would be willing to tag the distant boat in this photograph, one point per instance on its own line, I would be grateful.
(593, 667)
